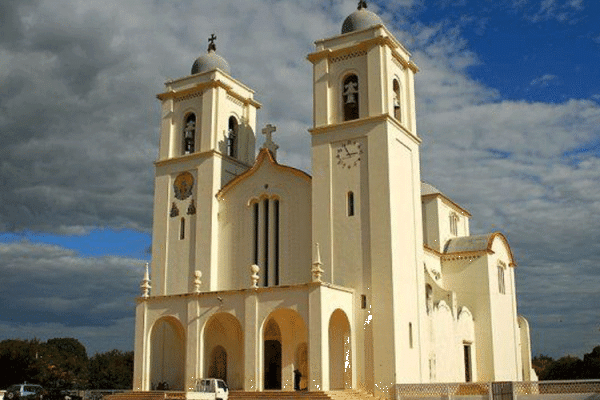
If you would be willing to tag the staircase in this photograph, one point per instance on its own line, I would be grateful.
(241, 395)
(301, 395)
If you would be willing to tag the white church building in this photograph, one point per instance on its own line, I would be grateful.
(359, 276)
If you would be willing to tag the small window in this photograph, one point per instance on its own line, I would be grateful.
(397, 103)
(429, 298)
(350, 97)
(232, 138)
(189, 134)
(410, 335)
(363, 301)
(182, 229)
(468, 366)
(501, 284)
(454, 224)
(350, 204)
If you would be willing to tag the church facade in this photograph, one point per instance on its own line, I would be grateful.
(359, 276)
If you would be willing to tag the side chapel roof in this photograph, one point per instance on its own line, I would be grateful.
(477, 243)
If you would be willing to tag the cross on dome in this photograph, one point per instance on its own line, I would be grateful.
(269, 144)
(362, 4)
(211, 42)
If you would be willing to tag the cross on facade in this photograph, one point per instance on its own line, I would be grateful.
(211, 42)
(269, 144)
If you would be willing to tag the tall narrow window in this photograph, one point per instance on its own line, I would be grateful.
(189, 134)
(276, 240)
(350, 97)
(410, 335)
(266, 228)
(182, 229)
(350, 204)
(266, 240)
(232, 137)
(468, 372)
(255, 239)
(397, 103)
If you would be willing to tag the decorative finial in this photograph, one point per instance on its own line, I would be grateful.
(254, 276)
(197, 281)
(145, 286)
(211, 42)
(362, 4)
(316, 270)
(269, 144)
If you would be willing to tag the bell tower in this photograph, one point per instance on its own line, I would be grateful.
(207, 137)
(366, 191)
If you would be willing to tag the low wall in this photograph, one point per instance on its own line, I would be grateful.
(538, 390)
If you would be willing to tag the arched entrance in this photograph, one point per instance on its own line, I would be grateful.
(167, 355)
(301, 364)
(223, 350)
(272, 355)
(340, 351)
(218, 363)
(284, 350)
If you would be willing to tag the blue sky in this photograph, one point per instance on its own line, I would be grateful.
(508, 102)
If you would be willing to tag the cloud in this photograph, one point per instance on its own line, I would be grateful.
(50, 284)
(79, 123)
(544, 80)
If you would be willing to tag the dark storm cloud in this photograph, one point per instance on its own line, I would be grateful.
(98, 291)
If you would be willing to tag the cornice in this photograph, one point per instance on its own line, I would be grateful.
(172, 94)
(364, 45)
(220, 293)
(446, 199)
(197, 156)
(319, 130)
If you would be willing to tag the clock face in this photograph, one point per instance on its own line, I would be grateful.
(349, 153)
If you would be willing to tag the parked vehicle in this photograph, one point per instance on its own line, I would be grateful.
(210, 389)
(24, 391)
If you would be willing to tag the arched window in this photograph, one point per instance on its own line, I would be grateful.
(397, 103)
(350, 97)
(454, 224)
(232, 137)
(189, 133)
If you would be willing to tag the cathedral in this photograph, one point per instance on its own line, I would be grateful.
(360, 276)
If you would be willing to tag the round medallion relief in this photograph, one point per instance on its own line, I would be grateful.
(183, 185)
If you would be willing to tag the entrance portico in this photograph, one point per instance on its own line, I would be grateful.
(256, 339)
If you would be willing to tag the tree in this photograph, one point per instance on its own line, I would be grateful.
(111, 370)
(540, 364)
(18, 361)
(64, 364)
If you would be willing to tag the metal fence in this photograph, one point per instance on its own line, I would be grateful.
(499, 390)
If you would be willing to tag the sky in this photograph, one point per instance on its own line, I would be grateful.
(508, 108)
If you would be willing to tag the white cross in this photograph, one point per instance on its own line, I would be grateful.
(268, 132)
(269, 144)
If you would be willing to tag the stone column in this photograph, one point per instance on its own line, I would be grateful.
(252, 345)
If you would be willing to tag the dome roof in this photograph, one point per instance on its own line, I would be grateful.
(209, 62)
(359, 20)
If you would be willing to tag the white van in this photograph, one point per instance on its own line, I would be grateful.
(209, 389)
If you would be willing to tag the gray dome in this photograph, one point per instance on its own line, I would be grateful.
(359, 20)
(209, 62)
